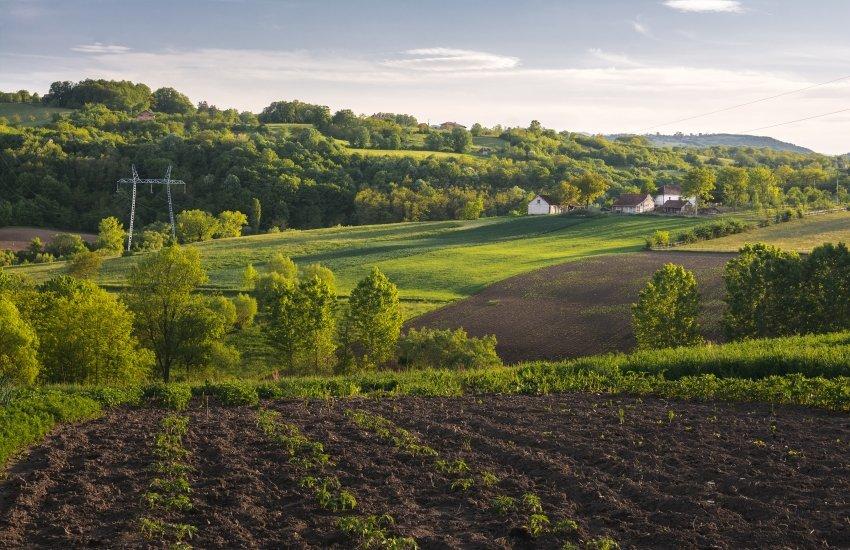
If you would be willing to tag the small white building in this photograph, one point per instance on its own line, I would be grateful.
(543, 204)
(633, 203)
(671, 193)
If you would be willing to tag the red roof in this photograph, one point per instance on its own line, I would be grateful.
(631, 199)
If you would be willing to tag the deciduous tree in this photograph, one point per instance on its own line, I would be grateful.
(665, 314)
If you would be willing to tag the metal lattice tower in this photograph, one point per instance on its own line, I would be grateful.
(135, 180)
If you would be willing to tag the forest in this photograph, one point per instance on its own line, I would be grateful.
(297, 160)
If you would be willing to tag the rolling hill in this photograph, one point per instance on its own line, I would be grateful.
(727, 140)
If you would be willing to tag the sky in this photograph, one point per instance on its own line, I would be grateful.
(596, 66)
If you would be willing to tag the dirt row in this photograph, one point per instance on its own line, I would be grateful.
(651, 473)
(577, 308)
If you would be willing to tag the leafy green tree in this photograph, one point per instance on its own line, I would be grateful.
(568, 193)
(170, 320)
(110, 235)
(461, 140)
(666, 312)
(302, 327)
(271, 288)
(250, 277)
(372, 323)
(733, 183)
(762, 292)
(591, 185)
(86, 337)
(283, 265)
(169, 100)
(64, 245)
(764, 187)
(825, 292)
(18, 346)
(700, 183)
(230, 224)
(195, 225)
(85, 265)
(225, 309)
(246, 310)
(256, 215)
(35, 247)
(322, 272)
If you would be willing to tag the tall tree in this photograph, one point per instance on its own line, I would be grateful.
(733, 183)
(110, 235)
(666, 312)
(372, 323)
(18, 346)
(167, 316)
(256, 215)
(699, 182)
(591, 185)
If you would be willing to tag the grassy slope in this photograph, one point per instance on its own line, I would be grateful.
(432, 261)
(25, 111)
(801, 235)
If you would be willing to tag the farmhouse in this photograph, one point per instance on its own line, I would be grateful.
(677, 207)
(633, 203)
(671, 193)
(543, 204)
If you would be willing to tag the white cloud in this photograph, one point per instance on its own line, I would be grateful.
(616, 59)
(450, 60)
(641, 28)
(731, 6)
(98, 47)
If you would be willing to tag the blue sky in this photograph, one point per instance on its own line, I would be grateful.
(593, 66)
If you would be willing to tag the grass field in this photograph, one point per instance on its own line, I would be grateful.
(430, 261)
(29, 115)
(801, 235)
(405, 153)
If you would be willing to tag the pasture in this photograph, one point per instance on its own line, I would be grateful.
(801, 235)
(30, 115)
(431, 262)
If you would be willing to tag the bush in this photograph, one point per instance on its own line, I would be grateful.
(85, 265)
(232, 394)
(65, 245)
(454, 350)
(174, 397)
(246, 310)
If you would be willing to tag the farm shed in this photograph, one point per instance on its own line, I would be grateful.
(677, 207)
(633, 203)
(543, 204)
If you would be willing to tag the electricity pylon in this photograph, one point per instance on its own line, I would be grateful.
(135, 180)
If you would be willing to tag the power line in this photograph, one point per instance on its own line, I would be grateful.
(753, 102)
(798, 120)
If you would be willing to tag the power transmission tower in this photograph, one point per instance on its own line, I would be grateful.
(166, 181)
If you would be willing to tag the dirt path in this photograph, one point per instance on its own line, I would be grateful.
(82, 487)
(577, 308)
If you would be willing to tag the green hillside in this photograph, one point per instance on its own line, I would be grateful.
(29, 115)
(800, 235)
(430, 261)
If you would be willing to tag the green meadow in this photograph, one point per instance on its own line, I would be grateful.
(29, 115)
(431, 262)
(801, 235)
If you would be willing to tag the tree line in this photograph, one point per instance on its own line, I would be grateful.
(769, 293)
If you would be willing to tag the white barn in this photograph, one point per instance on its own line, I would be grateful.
(671, 193)
(543, 204)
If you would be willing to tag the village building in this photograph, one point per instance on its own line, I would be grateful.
(671, 193)
(677, 206)
(145, 115)
(633, 203)
(543, 204)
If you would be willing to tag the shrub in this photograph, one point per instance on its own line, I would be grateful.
(174, 397)
(66, 244)
(232, 394)
(454, 350)
(283, 265)
(246, 310)
(85, 265)
(110, 235)
(18, 346)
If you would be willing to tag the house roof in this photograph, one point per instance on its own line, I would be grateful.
(669, 190)
(679, 204)
(548, 198)
(631, 199)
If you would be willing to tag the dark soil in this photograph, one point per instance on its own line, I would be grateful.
(651, 473)
(18, 238)
(577, 308)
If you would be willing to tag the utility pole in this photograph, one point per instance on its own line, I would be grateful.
(135, 181)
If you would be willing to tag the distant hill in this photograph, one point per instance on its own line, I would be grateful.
(728, 140)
